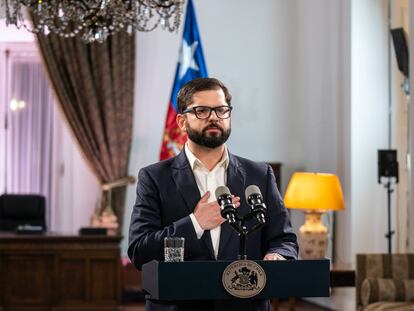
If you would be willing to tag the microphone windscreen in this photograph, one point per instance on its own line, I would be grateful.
(251, 190)
(222, 190)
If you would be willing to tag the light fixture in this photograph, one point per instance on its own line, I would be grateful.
(17, 105)
(94, 20)
(315, 193)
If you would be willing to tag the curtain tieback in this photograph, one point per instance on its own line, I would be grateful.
(118, 183)
(107, 192)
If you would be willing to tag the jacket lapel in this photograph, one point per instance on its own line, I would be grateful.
(236, 178)
(186, 185)
(185, 182)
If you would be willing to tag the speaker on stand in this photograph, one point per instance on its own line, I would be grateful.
(402, 54)
(388, 168)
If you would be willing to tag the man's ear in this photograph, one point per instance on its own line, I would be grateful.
(180, 119)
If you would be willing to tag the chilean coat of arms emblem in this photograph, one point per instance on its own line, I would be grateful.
(244, 279)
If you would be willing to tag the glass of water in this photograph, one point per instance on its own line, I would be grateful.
(173, 249)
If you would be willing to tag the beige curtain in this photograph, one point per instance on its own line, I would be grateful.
(94, 85)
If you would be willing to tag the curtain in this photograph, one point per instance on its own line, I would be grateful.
(94, 86)
(29, 112)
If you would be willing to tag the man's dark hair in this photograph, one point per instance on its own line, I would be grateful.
(185, 95)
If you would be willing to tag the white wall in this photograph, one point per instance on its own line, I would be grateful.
(241, 52)
(288, 66)
(369, 121)
(285, 67)
(320, 105)
(76, 189)
(411, 139)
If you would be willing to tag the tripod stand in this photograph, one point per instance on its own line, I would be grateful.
(388, 167)
(390, 232)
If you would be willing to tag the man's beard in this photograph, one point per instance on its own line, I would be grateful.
(212, 140)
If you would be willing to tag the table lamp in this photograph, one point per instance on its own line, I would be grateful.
(315, 193)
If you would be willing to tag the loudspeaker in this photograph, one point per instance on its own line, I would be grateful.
(401, 50)
(387, 164)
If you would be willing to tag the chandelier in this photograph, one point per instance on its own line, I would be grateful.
(94, 20)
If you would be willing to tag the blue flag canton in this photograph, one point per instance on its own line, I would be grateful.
(191, 62)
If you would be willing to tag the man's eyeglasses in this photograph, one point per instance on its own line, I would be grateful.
(203, 112)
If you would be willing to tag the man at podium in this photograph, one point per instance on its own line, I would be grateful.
(176, 197)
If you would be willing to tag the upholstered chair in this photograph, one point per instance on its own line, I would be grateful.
(385, 282)
(21, 209)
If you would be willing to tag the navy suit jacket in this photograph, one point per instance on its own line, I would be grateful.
(167, 194)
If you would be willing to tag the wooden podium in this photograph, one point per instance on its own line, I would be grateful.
(202, 280)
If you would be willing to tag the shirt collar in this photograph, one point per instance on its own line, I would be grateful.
(195, 162)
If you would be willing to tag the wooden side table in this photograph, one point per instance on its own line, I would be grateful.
(342, 278)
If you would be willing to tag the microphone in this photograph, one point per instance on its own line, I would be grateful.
(255, 200)
(227, 208)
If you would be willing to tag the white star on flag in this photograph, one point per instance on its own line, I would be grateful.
(186, 59)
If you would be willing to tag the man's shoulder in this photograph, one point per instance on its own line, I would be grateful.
(159, 166)
(248, 164)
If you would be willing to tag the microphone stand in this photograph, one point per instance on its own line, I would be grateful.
(243, 232)
(242, 248)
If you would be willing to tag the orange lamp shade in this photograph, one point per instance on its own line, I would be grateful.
(314, 191)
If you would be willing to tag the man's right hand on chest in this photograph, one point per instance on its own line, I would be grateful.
(208, 214)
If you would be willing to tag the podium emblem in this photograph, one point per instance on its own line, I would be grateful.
(244, 279)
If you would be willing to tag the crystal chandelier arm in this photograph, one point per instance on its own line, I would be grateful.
(94, 20)
(158, 3)
(90, 5)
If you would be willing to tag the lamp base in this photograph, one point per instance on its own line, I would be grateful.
(313, 237)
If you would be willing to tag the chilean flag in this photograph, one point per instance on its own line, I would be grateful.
(190, 65)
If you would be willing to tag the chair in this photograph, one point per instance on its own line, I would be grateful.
(385, 282)
(21, 209)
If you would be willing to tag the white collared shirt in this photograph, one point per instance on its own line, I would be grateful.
(208, 181)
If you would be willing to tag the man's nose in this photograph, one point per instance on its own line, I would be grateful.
(213, 115)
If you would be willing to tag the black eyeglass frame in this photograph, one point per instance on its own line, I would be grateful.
(211, 109)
